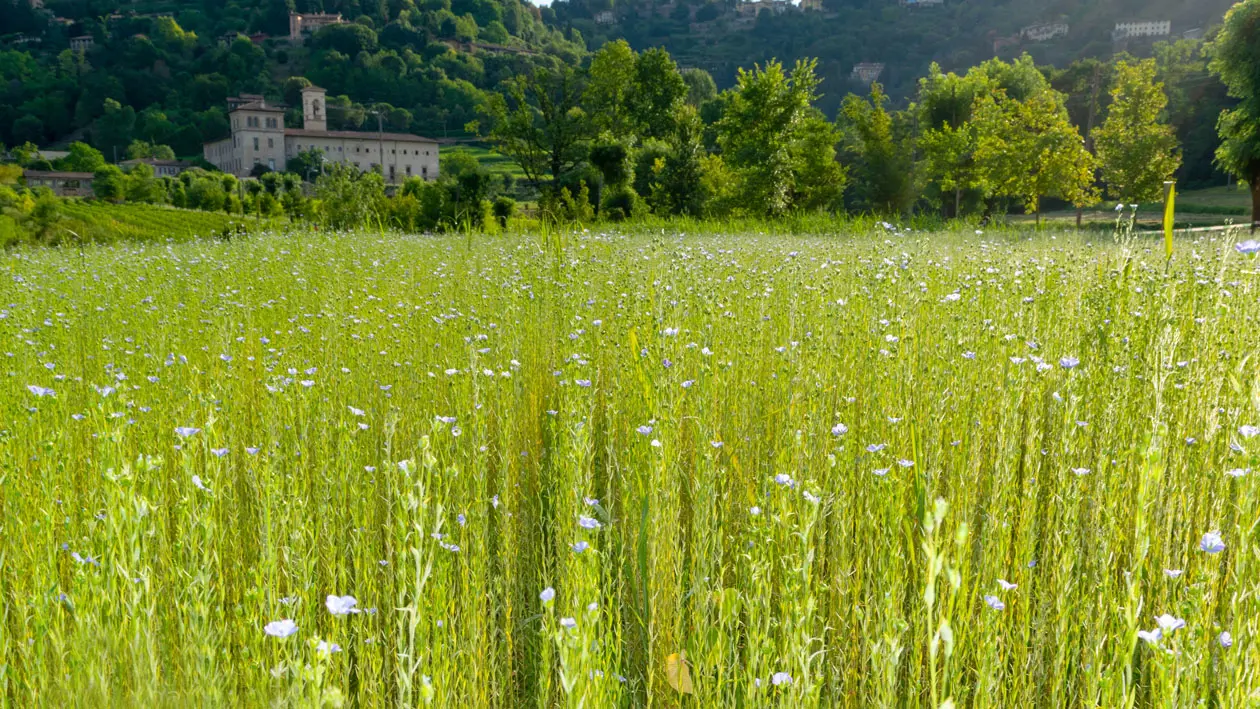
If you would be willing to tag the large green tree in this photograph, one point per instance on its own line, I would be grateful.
(767, 128)
(1029, 149)
(538, 121)
(1137, 150)
(947, 138)
(884, 180)
(1236, 59)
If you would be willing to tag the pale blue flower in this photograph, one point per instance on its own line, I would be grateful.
(839, 429)
(1150, 636)
(1212, 543)
(196, 481)
(219, 452)
(280, 628)
(1168, 624)
(644, 430)
(780, 678)
(1069, 362)
(341, 605)
(995, 603)
(40, 391)
(1007, 585)
(547, 594)
(881, 472)
(588, 522)
(1249, 246)
(1248, 431)
(326, 648)
(1225, 639)
(580, 547)
(568, 622)
(186, 431)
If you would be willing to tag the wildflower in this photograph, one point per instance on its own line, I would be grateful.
(1081, 471)
(585, 383)
(876, 447)
(186, 431)
(1169, 624)
(592, 606)
(1225, 640)
(1007, 585)
(326, 648)
(881, 472)
(219, 452)
(280, 628)
(1248, 431)
(580, 547)
(995, 603)
(196, 481)
(1249, 246)
(1173, 573)
(784, 479)
(588, 522)
(953, 297)
(445, 419)
(811, 498)
(1069, 362)
(1212, 543)
(568, 622)
(341, 605)
(1236, 472)
(644, 430)
(1150, 636)
(905, 463)
(839, 429)
(779, 678)
(754, 510)
(252, 451)
(356, 412)
(547, 594)
(40, 391)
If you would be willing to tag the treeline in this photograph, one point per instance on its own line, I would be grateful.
(630, 134)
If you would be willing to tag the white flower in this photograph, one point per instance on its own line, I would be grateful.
(196, 480)
(1248, 431)
(280, 628)
(779, 678)
(1150, 636)
(568, 622)
(341, 605)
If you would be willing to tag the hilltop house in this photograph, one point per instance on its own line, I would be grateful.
(1158, 28)
(867, 72)
(1044, 32)
(301, 25)
(63, 184)
(259, 137)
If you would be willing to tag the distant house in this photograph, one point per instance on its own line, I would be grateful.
(63, 184)
(756, 7)
(605, 17)
(922, 3)
(82, 43)
(1157, 28)
(301, 25)
(867, 72)
(1044, 32)
(161, 168)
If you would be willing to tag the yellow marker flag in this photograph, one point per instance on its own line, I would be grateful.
(1170, 196)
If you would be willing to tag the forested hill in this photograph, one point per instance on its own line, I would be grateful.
(161, 71)
(722, 36)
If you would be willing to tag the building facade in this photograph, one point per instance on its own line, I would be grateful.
(63, 184)
(259, 137)
(302, 25)
(1158, 28)
(1044, 32)
(161, 168)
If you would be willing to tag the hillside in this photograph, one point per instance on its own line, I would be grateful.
(161, 71)
(723, 36)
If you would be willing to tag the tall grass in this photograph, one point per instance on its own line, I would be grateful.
(870, 469)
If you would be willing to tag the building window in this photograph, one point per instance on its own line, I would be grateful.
(271, 142)
(271, 163)
(424, 171)
(391, 173)
(255, 144)
(394, 151)
(408, 171)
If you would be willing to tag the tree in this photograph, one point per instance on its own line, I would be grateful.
(607, 94)
(82, 158)
(766, 126)
(139, 150)
(700, 86)
(884, 170)
(349, 198)
(1029, 149)
(306, 164)
(114, 129)
(1236, 60)
(141, 186)
(947, 141)
(657, 93)
(108, 184)
(1137, 150)
(539, 123)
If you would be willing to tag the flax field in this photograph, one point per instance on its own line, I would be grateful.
(873, 469)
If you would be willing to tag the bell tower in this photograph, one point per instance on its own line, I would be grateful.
(314, 109)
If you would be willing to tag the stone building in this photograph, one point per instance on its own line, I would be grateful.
(1157, 28)
(301, 25)
(259, 137)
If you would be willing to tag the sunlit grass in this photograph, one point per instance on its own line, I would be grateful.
(866, 469)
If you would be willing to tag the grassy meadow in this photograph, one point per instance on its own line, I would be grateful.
(877, 468)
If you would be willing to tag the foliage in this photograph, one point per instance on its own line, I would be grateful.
(349, 198)
(767, 124)
(884, 178)
(538, 122)
(1136, 149)
(1236, 60)
(1028, 150)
